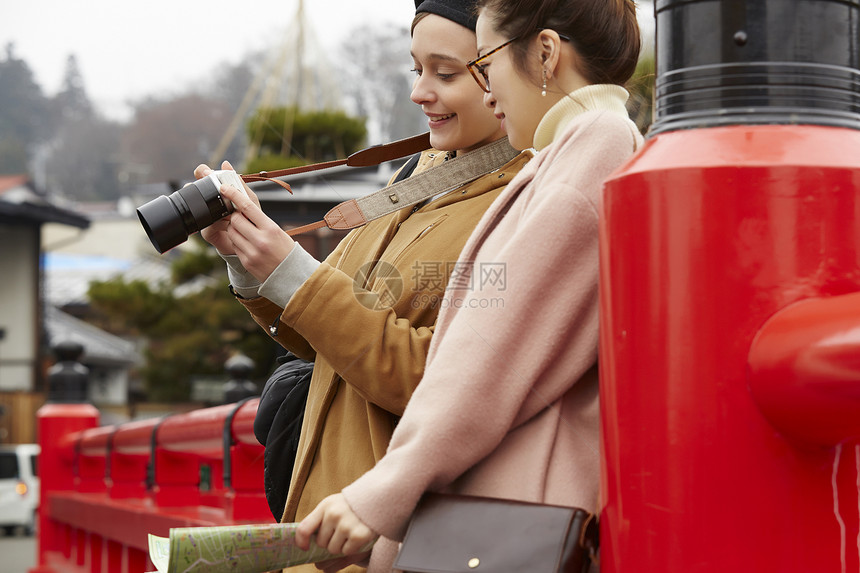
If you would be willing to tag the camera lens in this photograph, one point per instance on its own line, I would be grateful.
(162, 222)
(169, 219)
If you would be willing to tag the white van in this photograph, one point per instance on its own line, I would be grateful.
(19, 487)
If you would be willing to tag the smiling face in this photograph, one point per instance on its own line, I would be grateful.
(515, 96)
(444, 88)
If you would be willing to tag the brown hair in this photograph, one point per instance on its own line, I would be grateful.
(604, 33)
(418, 17)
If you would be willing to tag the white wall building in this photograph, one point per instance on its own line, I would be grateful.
(22, 344)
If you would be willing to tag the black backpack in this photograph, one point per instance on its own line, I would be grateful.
(278, 424)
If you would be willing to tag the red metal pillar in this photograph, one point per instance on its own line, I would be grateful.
(55, 423)
(709, 234)
(730, 319)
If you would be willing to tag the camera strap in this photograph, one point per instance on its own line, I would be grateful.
(434, 181)
(363, 158)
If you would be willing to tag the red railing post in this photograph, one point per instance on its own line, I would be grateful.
(246, 498)
(180, 443)
(130, 453)
(56, 422)
(92, 459)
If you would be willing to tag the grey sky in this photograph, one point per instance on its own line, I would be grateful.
(127, 50)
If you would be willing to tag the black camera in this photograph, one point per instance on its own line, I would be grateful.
(169, 219)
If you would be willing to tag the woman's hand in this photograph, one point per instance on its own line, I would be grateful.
(338, 528)
(216, 233)
(259, 242)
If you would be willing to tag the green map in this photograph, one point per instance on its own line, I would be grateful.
(232, 549)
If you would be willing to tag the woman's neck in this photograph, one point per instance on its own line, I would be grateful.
(606, 97)
(494, 137)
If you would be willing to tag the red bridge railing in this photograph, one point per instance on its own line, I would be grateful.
(104, 488)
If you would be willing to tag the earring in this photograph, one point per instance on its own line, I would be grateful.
(543, 89)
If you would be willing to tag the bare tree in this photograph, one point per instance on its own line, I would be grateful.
(375, 66)
(82, 160)
(168, 138)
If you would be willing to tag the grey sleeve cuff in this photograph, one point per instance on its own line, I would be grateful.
(286, 279)
(244, 283)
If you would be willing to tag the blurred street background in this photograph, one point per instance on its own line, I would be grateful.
(18, 551)
(107, 107)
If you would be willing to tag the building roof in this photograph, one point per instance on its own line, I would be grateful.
(100, 347)
(68, 276)
(19, 203)
(10, 181)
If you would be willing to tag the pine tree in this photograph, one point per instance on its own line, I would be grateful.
(82, 156)
(72, 100)
(187, 337)
(314, 136)
(24, 117)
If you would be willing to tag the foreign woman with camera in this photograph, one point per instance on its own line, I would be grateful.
(508, 406)
(369, 343)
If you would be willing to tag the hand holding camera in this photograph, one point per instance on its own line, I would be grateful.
(169, 219)
(216, 233)
(259, 242)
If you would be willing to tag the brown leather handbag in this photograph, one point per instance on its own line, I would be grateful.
(466, 534)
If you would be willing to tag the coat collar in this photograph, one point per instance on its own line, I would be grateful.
(593, 97)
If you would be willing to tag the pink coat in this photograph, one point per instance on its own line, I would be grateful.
(508, 405)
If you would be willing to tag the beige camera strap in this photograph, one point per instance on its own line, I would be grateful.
(436, 180)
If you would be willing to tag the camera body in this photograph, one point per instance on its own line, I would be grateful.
(169, 219)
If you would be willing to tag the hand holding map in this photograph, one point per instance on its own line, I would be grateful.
(231, 548)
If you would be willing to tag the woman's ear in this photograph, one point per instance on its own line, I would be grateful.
(549, 44)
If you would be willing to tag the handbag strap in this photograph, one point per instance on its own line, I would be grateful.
(589, 540)
(436, 180)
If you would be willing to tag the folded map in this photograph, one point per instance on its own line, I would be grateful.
(231, 548)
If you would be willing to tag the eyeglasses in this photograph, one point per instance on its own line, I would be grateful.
(481, 76)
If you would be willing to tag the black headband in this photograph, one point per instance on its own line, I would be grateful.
(459, 11)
